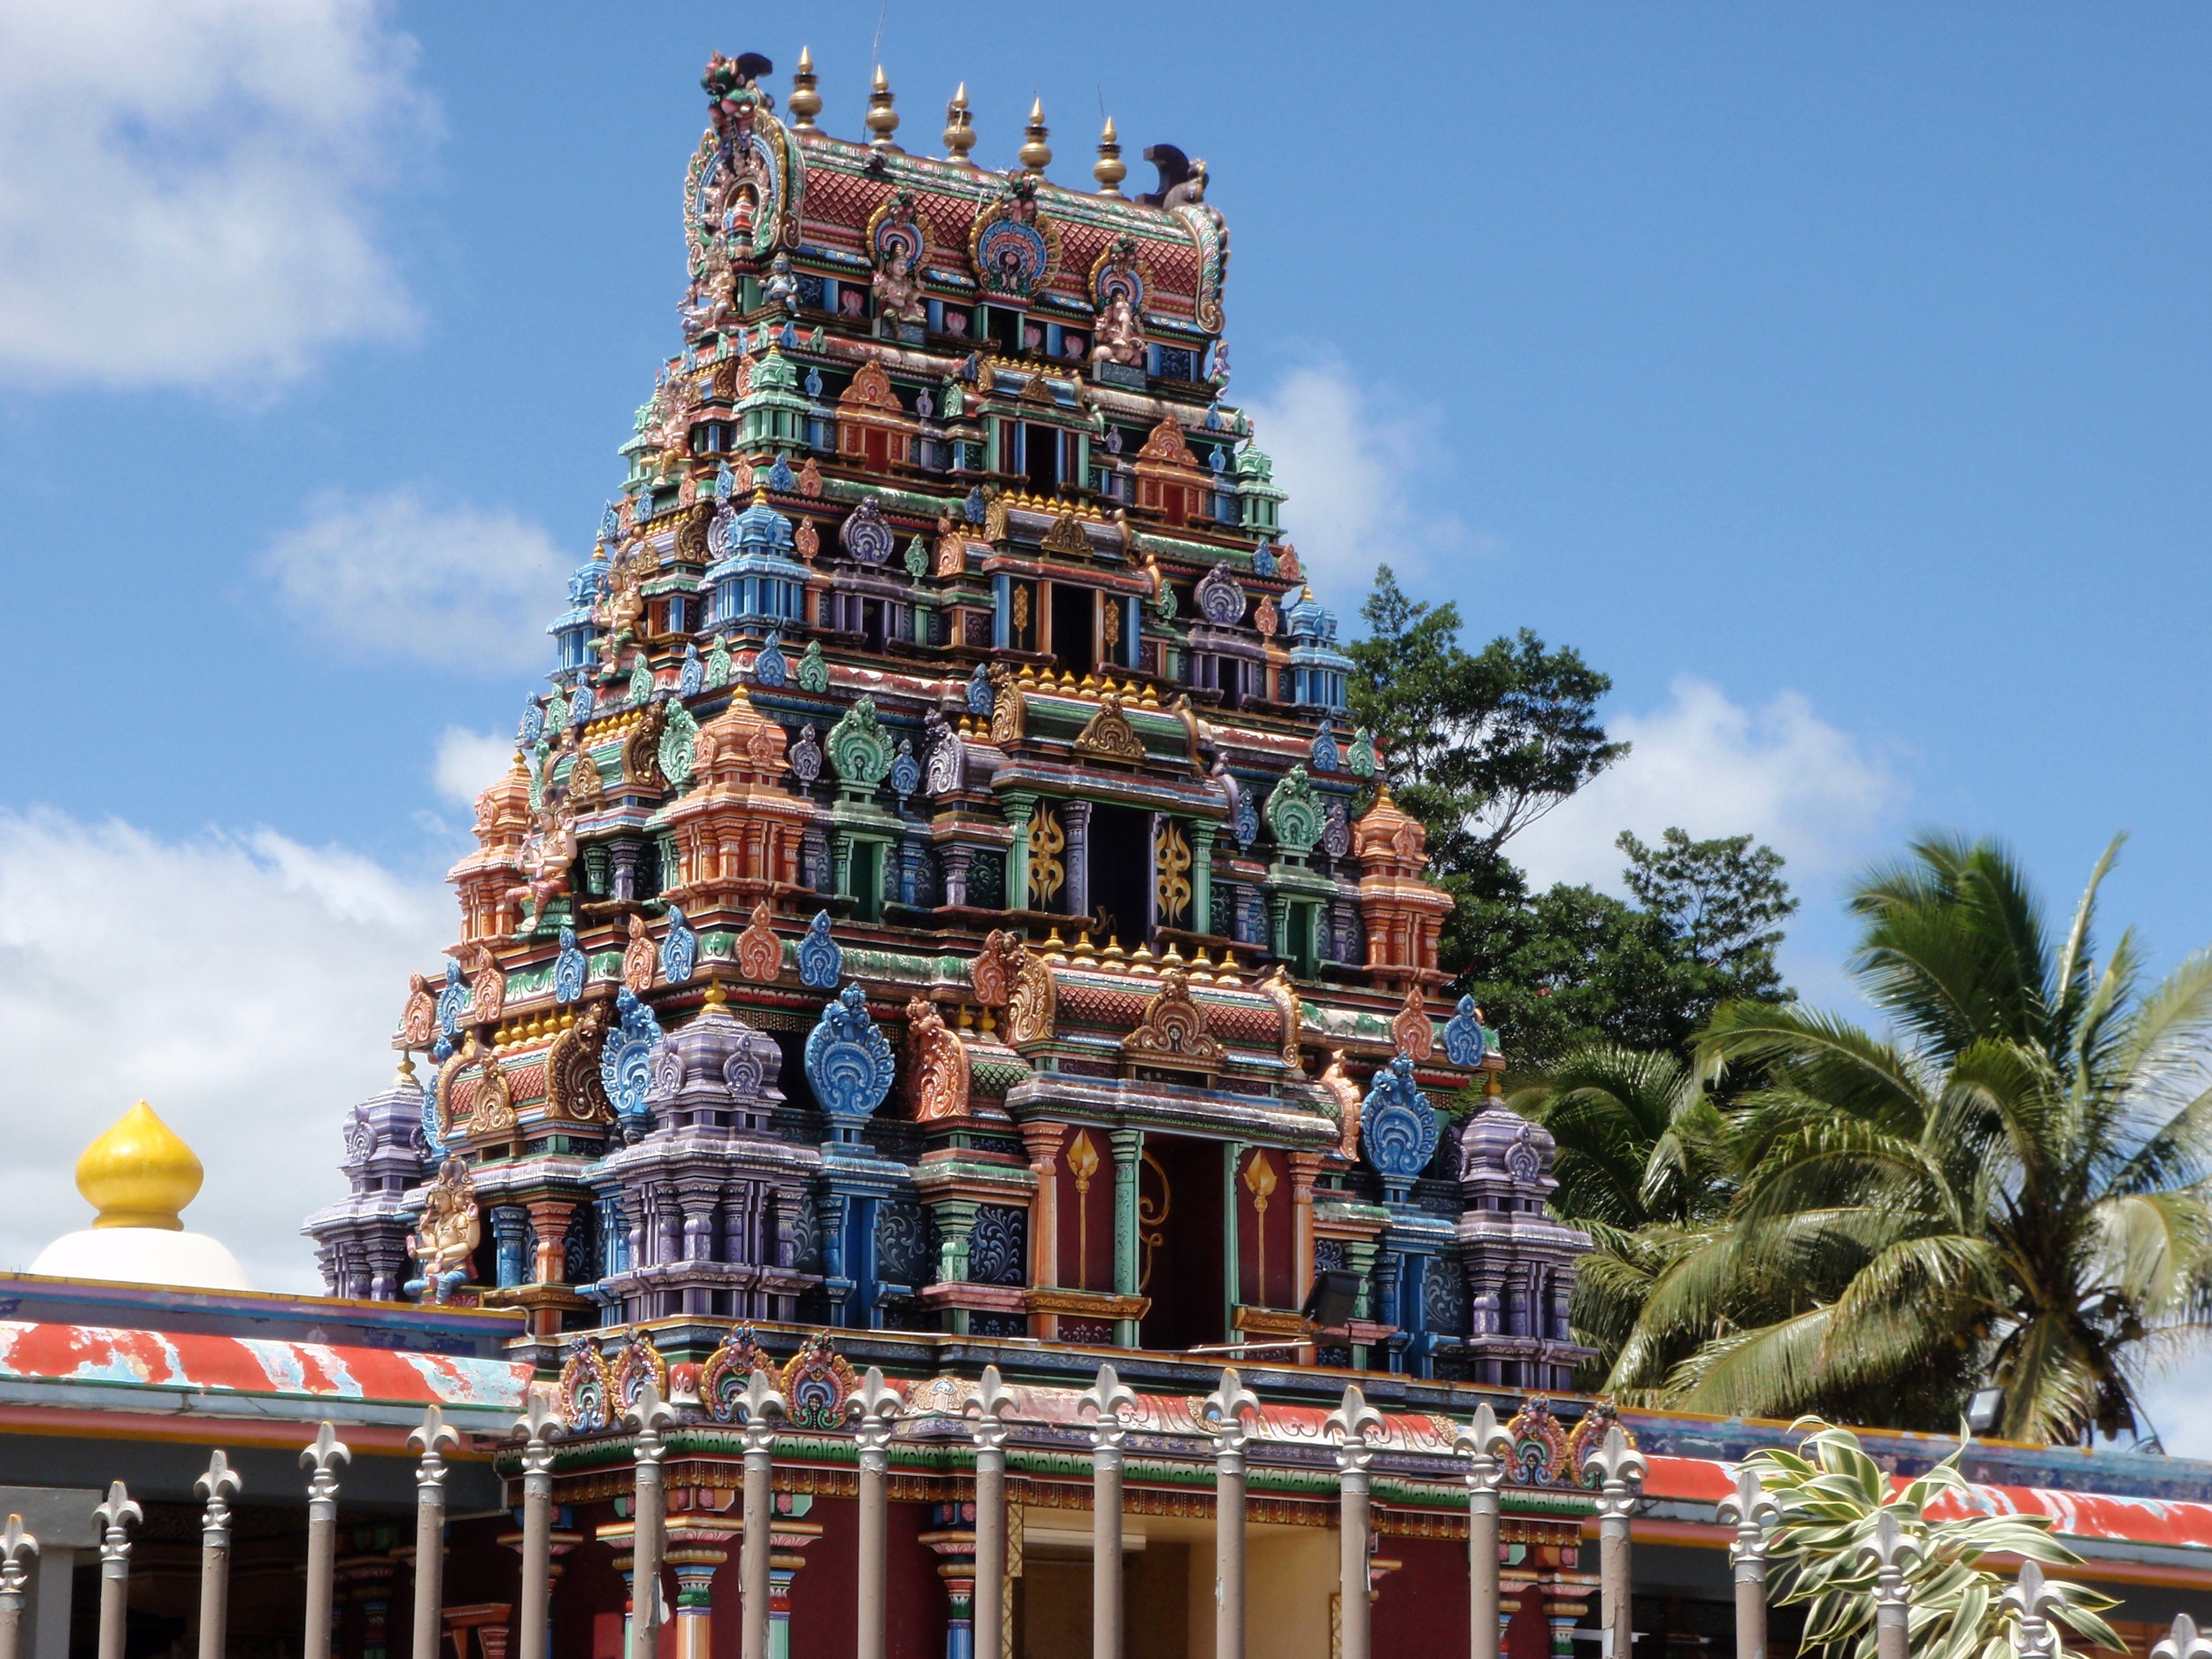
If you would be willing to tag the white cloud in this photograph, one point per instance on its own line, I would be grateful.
(1817, 795)
(468, 762)
(246, 985)
(1345, 455)
(185, 186)
(457, 586)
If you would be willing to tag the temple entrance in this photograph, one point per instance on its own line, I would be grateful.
(1179, 1242)
(1120, 855)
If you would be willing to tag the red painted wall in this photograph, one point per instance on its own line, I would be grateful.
(1421, 1609)
(1087, 1222)
(1529, 1635)
(825, 1595)
(1277, 1292)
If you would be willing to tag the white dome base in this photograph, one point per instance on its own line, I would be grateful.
(142, 1256)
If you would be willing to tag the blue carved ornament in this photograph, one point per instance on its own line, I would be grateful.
(625, 1062)
(1464, 1041)
(848, 1062)
(821, 963)
(679, 948)
(1398, 1127)
(569, 969)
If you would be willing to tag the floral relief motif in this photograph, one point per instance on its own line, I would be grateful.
(991, 975)
(1412, 1030)
(1398, 1126)
(639, 958)
(722, 1379)
(639, 1362)
(759, 951)
(817, 1381)
(1173, 1030)
(1109, 735)
(848, 1061)
(1033, 1009)
(821, 963)
(937, 1066)
(587, 1388)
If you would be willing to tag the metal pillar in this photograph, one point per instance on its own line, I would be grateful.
(649, 1510)
(1487, 1447)
(16, 1546)
(1890, 1552)
(1105, 1400)
(761, 1404)
(1750, 1510)
(116, 1516)
(988, 1411)
(218, 1486)
(879, 1407)
(1224, 1415)
(537, 1425)
(1617, 1468)
(323, 1458)
(431, 1440)
(1349, 1425)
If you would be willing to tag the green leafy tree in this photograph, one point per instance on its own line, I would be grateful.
(1723, 900)
(1571, 966)
(2011, 1190)
(1480, 745)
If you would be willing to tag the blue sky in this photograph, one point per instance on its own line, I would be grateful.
(1835, 379)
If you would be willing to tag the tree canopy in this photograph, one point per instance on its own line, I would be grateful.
(1480, 746)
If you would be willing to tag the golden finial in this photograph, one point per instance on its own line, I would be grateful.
(806, 102)
(1110, 170)
(959, 126)
(406, 1068)
(139, 1174)
(1035, 155)
(715, 996)
(883, 120)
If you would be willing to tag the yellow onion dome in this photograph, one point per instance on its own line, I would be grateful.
(140, 1173)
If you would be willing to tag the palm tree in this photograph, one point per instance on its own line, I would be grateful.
(2009, 1189)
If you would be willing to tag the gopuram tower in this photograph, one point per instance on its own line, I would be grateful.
(937, 889)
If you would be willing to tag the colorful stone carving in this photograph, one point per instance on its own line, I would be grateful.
(626, 1063)
(1464, 1034)
(1398, 1127)
(848, 1062)
(937, 1071)
(821, 963)
(679, 948)
(995, 538)
(759, 951)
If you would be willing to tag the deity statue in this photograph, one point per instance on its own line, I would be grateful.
(1348, 1104)
(781, 289)
(447, 1234)
(1120, 336)
(897, 289)
(548, 851)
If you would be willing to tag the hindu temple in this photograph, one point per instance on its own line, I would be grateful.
(939, 1131)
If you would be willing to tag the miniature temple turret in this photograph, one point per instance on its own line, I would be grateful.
(939, 884)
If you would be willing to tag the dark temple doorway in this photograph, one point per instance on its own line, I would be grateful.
(1120, 871)
(1180, 1242)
